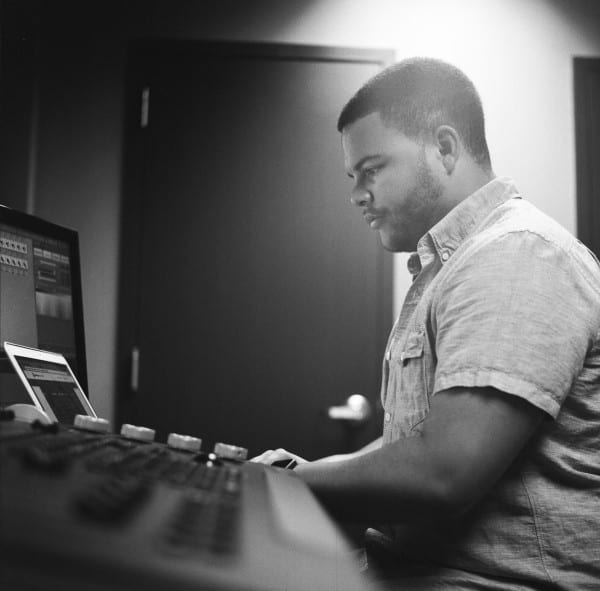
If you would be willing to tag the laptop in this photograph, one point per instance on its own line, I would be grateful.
(50, 383)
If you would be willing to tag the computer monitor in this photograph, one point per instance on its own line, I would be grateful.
(40, 289)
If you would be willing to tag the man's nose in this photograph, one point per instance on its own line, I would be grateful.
(361, 198)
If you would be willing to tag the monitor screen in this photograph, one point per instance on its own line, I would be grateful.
(40, 289)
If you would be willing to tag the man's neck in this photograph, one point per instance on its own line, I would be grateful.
(466, 184)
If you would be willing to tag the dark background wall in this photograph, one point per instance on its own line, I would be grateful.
(63, 82)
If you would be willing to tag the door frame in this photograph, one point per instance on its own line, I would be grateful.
(139, 52)
(587, 150)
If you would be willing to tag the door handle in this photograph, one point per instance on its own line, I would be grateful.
(356, 410)
(134, 378)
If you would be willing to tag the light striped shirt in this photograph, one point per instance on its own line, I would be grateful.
(503, 296)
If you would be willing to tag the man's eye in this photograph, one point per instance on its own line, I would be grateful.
(371, 172)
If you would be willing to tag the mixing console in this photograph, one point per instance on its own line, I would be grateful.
(81, 508)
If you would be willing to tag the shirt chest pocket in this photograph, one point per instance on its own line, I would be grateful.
(408, 396)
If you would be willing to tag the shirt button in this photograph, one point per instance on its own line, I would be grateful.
(445, 255)
(388, 417)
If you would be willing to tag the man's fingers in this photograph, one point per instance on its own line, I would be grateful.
(261, 458)
(276, 455)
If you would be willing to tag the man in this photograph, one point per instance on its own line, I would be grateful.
(488, 472)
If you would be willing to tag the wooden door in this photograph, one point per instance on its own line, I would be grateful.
(587, 134)
(256, 296)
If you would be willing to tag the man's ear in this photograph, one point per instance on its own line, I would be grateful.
(448, 146)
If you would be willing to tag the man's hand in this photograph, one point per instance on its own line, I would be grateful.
(277, 455)
(280, 454)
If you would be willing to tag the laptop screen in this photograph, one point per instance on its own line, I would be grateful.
(53, 382)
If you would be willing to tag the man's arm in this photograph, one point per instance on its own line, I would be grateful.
(373, 445)
(468, 440)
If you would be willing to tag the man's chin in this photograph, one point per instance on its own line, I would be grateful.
(390, 244)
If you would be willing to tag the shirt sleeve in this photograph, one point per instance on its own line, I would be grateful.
(519, 314)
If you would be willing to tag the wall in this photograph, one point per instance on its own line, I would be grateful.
(518, 52)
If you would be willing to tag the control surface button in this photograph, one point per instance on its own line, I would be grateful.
(184, 442)
(91, 424)
(230, 452)
(137, 433)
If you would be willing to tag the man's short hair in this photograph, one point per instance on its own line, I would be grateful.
(417, 95)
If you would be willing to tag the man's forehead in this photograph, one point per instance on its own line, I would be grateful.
(370, 125)
(367, 137)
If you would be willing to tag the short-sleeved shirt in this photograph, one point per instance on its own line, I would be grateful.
(504, 297)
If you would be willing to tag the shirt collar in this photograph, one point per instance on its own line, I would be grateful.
(451, 231)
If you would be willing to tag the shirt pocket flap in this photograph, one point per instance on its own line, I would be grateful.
(414, 346)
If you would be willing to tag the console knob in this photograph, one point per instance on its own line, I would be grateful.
(184, 442)
(91, 423)
(138, 433)
(230, 452)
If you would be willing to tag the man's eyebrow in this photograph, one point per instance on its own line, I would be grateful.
(362, 162)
